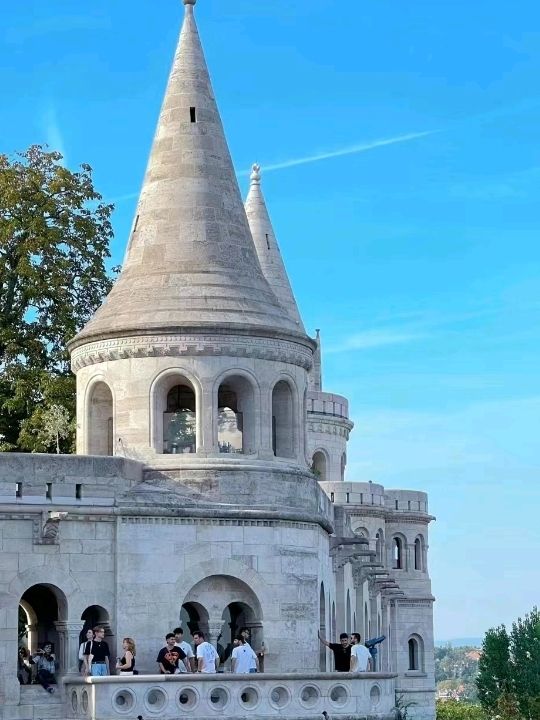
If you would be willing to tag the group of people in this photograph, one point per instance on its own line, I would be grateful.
(39, 668)
(177, 656)
(349, 654)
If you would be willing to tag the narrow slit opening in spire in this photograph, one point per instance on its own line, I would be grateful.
(193, 114)
(267, 241)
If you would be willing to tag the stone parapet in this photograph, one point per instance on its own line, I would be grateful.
(341, 695)
(36, 479)
(323, 403)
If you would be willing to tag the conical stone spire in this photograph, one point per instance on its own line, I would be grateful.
(267, 248)
(191, 261)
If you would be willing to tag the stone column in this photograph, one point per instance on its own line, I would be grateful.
(214, 628)
(207, 422)
(69, 632)
(266, 451)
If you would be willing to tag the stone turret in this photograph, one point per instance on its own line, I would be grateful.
(267, 248)
(190, 261)
(195, 353)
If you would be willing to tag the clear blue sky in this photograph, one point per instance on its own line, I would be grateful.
(418, 259)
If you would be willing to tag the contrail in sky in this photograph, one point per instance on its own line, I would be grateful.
(348, 150)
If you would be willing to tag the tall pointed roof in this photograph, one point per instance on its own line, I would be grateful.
(190, 261)
(267, 248)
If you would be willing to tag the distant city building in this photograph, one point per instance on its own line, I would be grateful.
(209, 487)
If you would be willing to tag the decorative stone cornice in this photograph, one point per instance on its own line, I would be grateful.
(190, 345)
(329, 424)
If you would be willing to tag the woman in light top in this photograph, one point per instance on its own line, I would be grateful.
(126, 664)
(82, 661)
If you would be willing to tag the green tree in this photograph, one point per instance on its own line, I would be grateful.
(525, 654)
(494, 668)
(54, 241)
(456, 710)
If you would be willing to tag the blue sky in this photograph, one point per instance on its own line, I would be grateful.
(417, 258)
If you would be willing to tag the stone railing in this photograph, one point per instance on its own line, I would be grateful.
(170, 697)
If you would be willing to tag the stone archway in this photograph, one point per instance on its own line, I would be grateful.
(226, 603)
(45, 608)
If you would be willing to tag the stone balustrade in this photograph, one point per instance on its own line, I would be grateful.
(170, 697)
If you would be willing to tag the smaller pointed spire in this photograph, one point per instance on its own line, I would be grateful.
(315, 376)
(267, 247)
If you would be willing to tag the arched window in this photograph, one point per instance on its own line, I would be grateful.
(366, 622)
(418, 553)
(179, 420)
(348, 615)
(319, 465)
(283, 420)
(379, 546)
(343, 465)
(416, 652)
(397, 554)
(362, 532)
(236, 416)
(322, 629)
(100, 420)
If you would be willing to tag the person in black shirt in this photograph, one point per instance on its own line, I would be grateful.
(341, 650)
(97, 654)
(169, 657)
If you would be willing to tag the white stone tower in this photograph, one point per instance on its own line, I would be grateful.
(197, 363)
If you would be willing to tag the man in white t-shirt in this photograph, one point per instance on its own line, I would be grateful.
(207, 657)
(243, 656)
(186, 647)
(360, 655)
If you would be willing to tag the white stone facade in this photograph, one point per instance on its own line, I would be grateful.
(209, 487)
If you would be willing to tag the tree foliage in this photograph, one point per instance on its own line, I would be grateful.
(54, 241)
(525, 656)
(494, 667)
(457, 710)
(509, 676)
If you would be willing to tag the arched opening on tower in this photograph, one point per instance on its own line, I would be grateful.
(283, 436)
(379, 546)
(99, 418)
(95, 616)
(42, 608)
(415, 646)
(334, 623)
(348, 614)
(179, 420)
(419, 553)
(366, 622)
(398, 556)
(322, 628)
(220, 605)
(319, 465)
(236, 416)
(237, 616)
(194, 616)
(343, 465)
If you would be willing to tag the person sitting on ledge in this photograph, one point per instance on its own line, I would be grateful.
(45, 663)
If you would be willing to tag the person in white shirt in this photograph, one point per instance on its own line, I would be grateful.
(186, 647)
(360, 655)
(207, 657)
(82, 661)
(244, 659)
